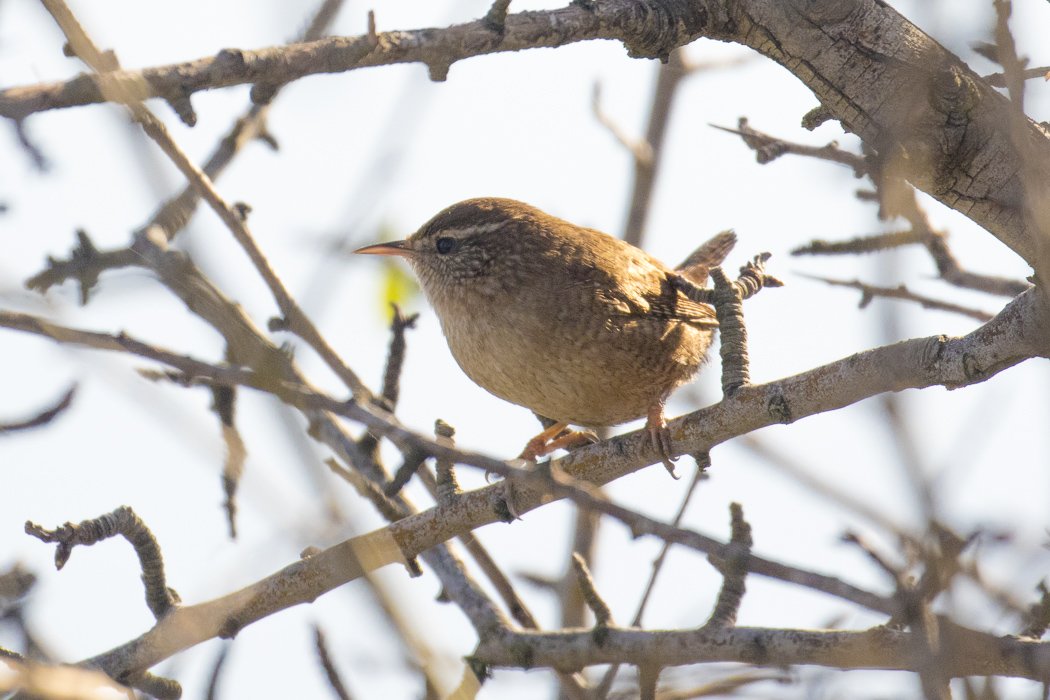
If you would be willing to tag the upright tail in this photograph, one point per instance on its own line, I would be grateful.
(696, 267)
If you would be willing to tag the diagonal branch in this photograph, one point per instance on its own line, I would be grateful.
(645, 33)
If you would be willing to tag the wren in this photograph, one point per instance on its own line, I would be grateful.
(576, 325)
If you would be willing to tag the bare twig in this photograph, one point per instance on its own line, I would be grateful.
(1006, 55)
(732, 333)
(602, 613)
(648, 679)
(889, 186)
(768, 148)
(14, 584)
(85, 264)
(861, 244)
(395, 360)
(155, 686)
(999, 79)
(639, 149)
(57, 682)
(703, 462)
(44, 417)
(396, 354)
(496, 19)
(123, 521)
(870, 292)
(733, 569)
(669, 76)
(330, 670)
(1038, 617)
(216, 672)
(295, 320)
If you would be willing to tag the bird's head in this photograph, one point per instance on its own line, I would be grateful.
(468, 241)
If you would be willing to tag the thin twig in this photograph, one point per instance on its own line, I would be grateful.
(703, 462)
(334, 679)
(861, 244)
(496, 19)
(1013, 67)
(122, 521)
(44, 417)
(904, 203)
(294, 318)
(668, 78)
(999, 79)
(216, 672)
(602, 613)
(734, 570)
(768, 148)
(870, 292)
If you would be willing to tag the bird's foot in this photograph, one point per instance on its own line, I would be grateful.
(556, 437)
(658, 432)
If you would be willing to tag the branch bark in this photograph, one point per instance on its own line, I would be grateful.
(918, 103)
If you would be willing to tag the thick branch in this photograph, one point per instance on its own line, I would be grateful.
(648, 29)
(1017, 333)
(966, 652)
(916, 98)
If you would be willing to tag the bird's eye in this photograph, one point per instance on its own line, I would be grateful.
(445, 245)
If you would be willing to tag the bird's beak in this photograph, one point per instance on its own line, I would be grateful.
(395, 248)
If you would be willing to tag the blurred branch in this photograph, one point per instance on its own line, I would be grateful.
(861, 244)
(958, 361)
(964, 652)
(216, 672)
(768, 148)
(44, 417)
(649, 153)
(668, 78)
(38, 680)
(233, 216)
(999, 79)
(733, 567)
(956, 120)
(1006, 55)
(870, 292)
(904, 203)
(330, 670)
(85, 264)
(703, 462)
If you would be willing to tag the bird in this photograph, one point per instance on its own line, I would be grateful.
(580, 327)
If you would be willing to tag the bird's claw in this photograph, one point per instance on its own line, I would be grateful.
(658, 433)
(554, 438)
(661, 439)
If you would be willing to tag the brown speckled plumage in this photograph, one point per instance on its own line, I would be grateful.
(567, 321)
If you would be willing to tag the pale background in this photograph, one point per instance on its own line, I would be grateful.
(385, 147)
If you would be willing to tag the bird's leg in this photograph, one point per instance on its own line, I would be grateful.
(537, 446)
(571, 440)
(552, 439)
(657, 431)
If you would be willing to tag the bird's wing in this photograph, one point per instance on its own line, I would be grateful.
(653, 296)
(640, 287)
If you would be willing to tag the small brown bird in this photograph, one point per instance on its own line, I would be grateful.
(576, 325)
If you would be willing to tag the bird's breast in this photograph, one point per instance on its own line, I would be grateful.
(562, 360)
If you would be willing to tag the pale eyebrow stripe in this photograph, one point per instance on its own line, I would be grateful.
(483, 228)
